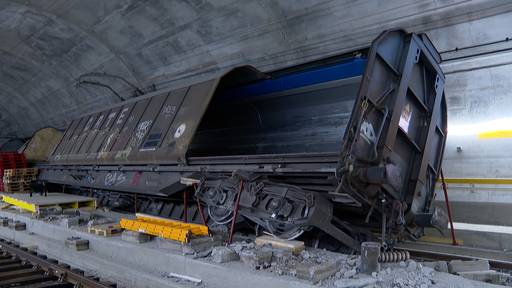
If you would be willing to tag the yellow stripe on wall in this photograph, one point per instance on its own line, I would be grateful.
(497, 181)
(495, 134)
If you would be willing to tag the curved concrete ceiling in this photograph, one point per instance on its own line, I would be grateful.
(47, 44)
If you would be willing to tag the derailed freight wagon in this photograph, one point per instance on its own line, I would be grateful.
(342, 144)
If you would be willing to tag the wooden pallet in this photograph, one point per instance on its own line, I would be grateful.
(21, 172)
(17, 187)
(19, 178)
(105, 230)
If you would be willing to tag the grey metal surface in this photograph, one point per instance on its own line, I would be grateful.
(393, 145)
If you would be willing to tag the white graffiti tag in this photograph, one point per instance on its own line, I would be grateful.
(114, 178)
(142, 129)
(168, 110)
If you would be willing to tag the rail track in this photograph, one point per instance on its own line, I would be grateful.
(20, 267)
(431, 251)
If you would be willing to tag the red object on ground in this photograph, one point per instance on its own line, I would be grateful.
(10, 160)
(448, 208)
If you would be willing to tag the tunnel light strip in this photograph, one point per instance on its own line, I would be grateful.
(499, 128)
(482, 228)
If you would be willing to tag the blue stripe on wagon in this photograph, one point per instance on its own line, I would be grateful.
(346, 69)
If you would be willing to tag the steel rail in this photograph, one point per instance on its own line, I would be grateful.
(49, 267)
(497, 259)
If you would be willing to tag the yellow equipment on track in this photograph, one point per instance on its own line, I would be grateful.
(165, 228)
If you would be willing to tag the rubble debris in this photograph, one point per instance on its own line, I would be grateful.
(349, 273)
(48, 211)
(4, 221)
(294, 246)
(17, 225)
(239, 246)
(77, 243)
(456, 266)
(257, 257)
(71, 212)
(440, 266)
(201, 245)
(490, 276)
(325, 268)
(99, 220)
(135, 237)
(281, 254)
(316, 272)
(69, 222)
(223, 254)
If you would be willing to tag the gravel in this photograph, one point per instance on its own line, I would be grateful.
(404, 274)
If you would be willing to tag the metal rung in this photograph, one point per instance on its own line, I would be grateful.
(165, 228)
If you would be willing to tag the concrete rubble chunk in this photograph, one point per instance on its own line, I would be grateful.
(71, 212)
(77, 243)
(17, 225)
(353, 260)
(4, 221)
(69, 222)
(317, 272)
(239, 246)
(456, 266)
(49, 211)
(355, 283)
(256, 257)
(135, 237)
(440, 266)
(412, 266)
(427, 270)
(200, 245)
(294, 246)
(281, 254)
(490, 276)
(223, 254)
